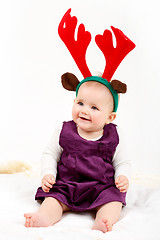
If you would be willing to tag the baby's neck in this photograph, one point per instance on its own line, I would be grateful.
(89, 135)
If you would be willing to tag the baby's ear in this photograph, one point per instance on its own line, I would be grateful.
(118, 86)
(69, 81)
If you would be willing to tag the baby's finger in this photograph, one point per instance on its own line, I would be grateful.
(122, 179)
(123, 184)
(47, 184)
(124, 188)
(51, 181)
(117, 180)
(119, 185)
(45, 189)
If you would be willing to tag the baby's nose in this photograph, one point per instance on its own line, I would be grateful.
(85, 110)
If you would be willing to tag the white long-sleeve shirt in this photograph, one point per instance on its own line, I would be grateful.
(53, 150)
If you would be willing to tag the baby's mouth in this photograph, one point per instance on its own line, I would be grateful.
(85, 119)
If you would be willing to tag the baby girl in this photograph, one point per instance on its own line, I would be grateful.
(92, 169)
(84, 167)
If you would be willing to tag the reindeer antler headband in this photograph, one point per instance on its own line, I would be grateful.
(77, 48)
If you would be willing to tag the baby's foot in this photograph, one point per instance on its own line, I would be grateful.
(102, 225)
(36, 220)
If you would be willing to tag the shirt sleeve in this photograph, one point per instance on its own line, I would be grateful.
(51, 154)
(121, 161)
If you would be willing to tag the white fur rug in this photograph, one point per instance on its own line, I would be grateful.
(140, 219)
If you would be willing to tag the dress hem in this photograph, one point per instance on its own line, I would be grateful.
(79, 209)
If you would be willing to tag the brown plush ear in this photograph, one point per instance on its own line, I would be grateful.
(69, 81)
(119, 86)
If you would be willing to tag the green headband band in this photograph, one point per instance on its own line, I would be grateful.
(104, 82)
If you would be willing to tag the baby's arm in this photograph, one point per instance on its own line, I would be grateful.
(49, 160)
(122, 165)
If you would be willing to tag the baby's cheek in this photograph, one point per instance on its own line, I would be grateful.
(99, 120)
(74, 115)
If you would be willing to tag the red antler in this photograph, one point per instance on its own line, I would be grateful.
(77, 48)
(113, 56)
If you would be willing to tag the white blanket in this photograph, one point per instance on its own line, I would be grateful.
(139, 220)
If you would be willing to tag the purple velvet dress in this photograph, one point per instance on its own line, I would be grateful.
(85, 178)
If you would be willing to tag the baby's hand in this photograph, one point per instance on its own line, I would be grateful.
(47, 181)
(122, 183)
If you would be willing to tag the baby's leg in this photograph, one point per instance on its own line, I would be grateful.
(106, 216)
(49, 213)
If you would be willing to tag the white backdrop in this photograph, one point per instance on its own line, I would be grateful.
(33, 58)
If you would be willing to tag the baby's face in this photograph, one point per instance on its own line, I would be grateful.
(93, 107)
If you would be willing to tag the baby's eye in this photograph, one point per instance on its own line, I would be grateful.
(80, 103)
(94, 108)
